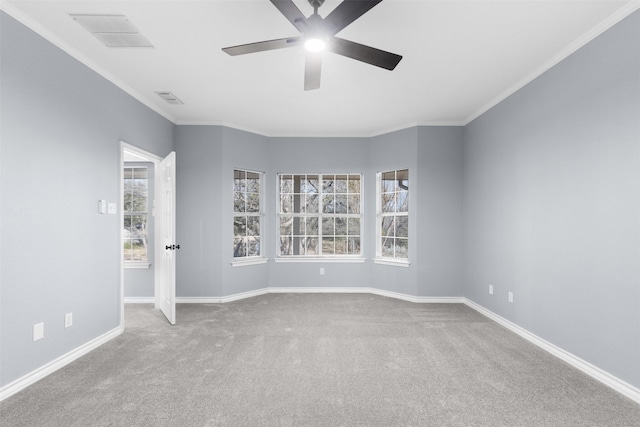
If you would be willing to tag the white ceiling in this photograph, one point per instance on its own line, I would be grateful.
(459, 59)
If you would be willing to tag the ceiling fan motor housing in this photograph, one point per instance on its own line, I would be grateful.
(316, 3)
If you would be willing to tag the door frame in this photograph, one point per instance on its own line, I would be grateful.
(146, 157)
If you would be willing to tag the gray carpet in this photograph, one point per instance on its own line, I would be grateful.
(317, 360)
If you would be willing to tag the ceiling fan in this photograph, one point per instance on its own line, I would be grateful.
(318, 34)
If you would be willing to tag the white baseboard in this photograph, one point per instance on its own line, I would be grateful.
(319, 290)
(221, 300)
(604, 377)
(139, 300)
(25, 381)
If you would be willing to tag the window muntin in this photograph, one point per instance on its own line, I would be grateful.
(393, 215)
(247, 213)
(135, 212)
(320, 215)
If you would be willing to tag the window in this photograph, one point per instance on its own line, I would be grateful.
(393, 215)
(320, 215)
(135, 210)
(247, 213)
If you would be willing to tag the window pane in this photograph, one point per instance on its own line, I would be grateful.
(328, 184)
(238, 202)
(312, 203)
(239, 247)
(239, 226)
(328, 204)
(341, 246)
(402, 180)
(239, 180)
(286, 225)
(128, 202)
(286, 184)
(341, 226)
(354, 204)
(388, 182)
(402, 248)
(341, 204)
(253, 226)
(253, 182)
(286, 247)
(328, 225)
(354, 184)
(402, 201)
(402, 226)
(341, 184)
(311, 246)
(387, 247)
(387, 227)
(387, 202)
(253, 202)
(328, 245)
(312, 226)
(253, 246)
(354, 226)
(354, 245)
(286, 203)
(310, 184)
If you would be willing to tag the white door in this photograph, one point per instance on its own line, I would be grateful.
(165, 208)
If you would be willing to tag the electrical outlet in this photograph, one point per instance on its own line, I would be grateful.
(322, 271)
(490, 289)
(510, 296)
(68, 320)
(38, 331)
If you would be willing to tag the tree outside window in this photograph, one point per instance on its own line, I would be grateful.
(320, 215)
(247, 213)
(393, 215)
(135, 207)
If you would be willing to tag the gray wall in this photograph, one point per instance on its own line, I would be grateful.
(60, 143)
(199, 211)
(439, 220)
(551, 186)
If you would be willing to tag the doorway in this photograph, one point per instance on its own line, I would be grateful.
(147, 219)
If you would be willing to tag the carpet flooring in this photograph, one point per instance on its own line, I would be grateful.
(317, 360)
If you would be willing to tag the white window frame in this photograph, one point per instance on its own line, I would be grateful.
(148, 213)
(357, 258)
(250, 259)
(380, 258)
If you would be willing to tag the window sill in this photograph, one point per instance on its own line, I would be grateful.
(320, 259)
(249, 261)
(137, 264)
(393, 262)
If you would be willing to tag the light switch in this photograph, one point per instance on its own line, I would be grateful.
(112, 209)
(38, 331)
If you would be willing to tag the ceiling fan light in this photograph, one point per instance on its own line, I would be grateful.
(315, 44)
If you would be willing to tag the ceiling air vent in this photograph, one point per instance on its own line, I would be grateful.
(113, 30)
(170, 98)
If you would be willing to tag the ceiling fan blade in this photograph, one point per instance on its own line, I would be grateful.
(360, 52)
(262, 46)
(292, 13)
(347, 12)
(312, 67)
